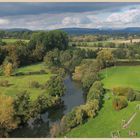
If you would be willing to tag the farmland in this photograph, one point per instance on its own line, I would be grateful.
(108, 120)
(12, 40)
(21, 82)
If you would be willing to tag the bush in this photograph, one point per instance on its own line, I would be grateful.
(91, 108)
(4, 83)
(96, 91)
(34, 84)
(88, 79)
(125, 91)
(119, 103)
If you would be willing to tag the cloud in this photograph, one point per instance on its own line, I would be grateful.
(69, 15)
(125, 17)
(23, 8)
(75, 21)
(4, 21)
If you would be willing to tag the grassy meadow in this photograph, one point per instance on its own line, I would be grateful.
(128, 76)
(12, 40)
(21, 83)
(108, 120)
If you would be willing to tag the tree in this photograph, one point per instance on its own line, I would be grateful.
(55, 86)
(7, 120)
(96, 91)
(56, 39)
(22, 106)
(52, 58)
(71, 58)
(119, 53)
(105, 58)
(88, 79)
(2, 55)
(12, 55)
(49, 40)
(78, 115)
(2, 43)
(38, 53)
(8, 69)
(91, 108)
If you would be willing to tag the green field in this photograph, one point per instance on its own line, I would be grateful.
(122, 76)
(21, 83)
(109, 120)
(12, 40)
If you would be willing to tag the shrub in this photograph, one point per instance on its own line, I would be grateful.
(125, 91)
(8, 69)
(96, 91)
(4, 83)
(88, 79)
(91, 108)
(119, 102)
(34, 84)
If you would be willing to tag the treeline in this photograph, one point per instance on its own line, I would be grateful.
(25, 34)
(67, 59)
(22, 53)
(129, 52)
(88, 38)
(101, 37)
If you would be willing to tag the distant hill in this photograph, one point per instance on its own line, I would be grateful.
(16, 30)
(80, 31)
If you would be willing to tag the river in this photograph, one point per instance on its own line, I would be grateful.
(74, 96)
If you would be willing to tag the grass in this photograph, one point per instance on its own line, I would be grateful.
(12, 40)
(122, 76)
(109, 120)
(21, 83)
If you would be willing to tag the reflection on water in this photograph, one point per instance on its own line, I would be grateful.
(40, 127)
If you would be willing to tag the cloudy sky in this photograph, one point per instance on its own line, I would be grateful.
(46, 16)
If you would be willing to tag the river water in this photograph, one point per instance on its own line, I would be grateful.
(74, 96)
